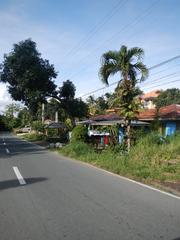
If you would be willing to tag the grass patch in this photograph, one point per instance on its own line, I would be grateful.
(150, 159)
(33, 137)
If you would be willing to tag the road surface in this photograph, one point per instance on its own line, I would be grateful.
(46, 197)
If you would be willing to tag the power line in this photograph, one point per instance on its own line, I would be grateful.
(157, 79)
(177, 80)
(167, 61)
(114, 83)
(123, 29)
(164, 70)
(97, 27)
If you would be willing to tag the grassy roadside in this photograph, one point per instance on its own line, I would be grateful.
(32, 137)
(148, 161)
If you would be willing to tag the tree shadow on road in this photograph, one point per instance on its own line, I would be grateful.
(15, 183)
(21, 149)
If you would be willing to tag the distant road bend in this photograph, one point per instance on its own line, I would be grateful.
(44, 196)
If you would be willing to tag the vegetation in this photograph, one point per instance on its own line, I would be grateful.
(67, 106)
(73, 107)
(33, 137)
(29, 77)
(10, 116)
(151, 158)
(98, 105)
(24, 117)
(79, 133)
(167, 97)
(128, 64)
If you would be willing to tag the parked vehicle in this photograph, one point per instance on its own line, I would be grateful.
(26, 129)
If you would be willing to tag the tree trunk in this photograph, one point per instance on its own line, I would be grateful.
(42, 113)
(128, 134)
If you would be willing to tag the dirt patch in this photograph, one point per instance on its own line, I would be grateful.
(173, 185)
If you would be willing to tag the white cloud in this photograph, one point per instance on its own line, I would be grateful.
(54, 42)
(5, 98)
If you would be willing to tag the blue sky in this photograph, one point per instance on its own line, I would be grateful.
(74, 34)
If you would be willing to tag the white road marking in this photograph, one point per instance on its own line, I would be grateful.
(129, 180)
(19, 176)
(4, 143)
(7, 151)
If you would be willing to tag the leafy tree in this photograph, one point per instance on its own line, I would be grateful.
(12, 110)
(79, 133)
(167, 97)
(29, 77)
(97, 106)
(73, 107)
(24, 117)
(101, 105)
(67, 91)
(10, 114)
(65, 103)
(38, 126)
(4, 123)
(91, 103)
(128, 63)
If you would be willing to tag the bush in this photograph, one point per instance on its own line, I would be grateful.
(38, 126)
(150, 159)
(76, 149)
(79, 133)
(34, 137)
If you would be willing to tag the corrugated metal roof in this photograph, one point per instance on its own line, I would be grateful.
(56, 125)
(170, 112)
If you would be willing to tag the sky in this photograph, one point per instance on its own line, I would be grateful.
(74, 34)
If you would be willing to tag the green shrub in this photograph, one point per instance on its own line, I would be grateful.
(34, 137)
(79, 133)
(150, 159)
(38, 126)
(77, 149)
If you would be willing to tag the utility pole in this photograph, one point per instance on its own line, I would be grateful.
(42, 113)
(56, 116)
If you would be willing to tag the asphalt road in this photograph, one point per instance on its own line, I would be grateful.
(46, 197)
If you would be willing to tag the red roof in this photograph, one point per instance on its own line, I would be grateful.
(106, 117)
(169, 112)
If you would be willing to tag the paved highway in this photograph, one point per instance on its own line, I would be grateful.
(46, 197)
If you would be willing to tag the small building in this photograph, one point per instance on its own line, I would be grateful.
(147, 99)
(55, 128)
(168, 117)
(100, 128)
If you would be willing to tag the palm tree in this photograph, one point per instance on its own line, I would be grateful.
(128, 62)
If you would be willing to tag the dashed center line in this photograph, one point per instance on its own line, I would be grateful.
(19, 176)
(7, 151)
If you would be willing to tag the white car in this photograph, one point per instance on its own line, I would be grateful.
(26, 129)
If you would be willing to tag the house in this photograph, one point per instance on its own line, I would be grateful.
(100, 128)
(147, 99)
(168, 117)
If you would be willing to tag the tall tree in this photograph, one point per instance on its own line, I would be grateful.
(167, 97)
(66, 104)
(12, 110)
(128, 63)
(29, 76)
(10, 114)
(74, 107)
(24, 117)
